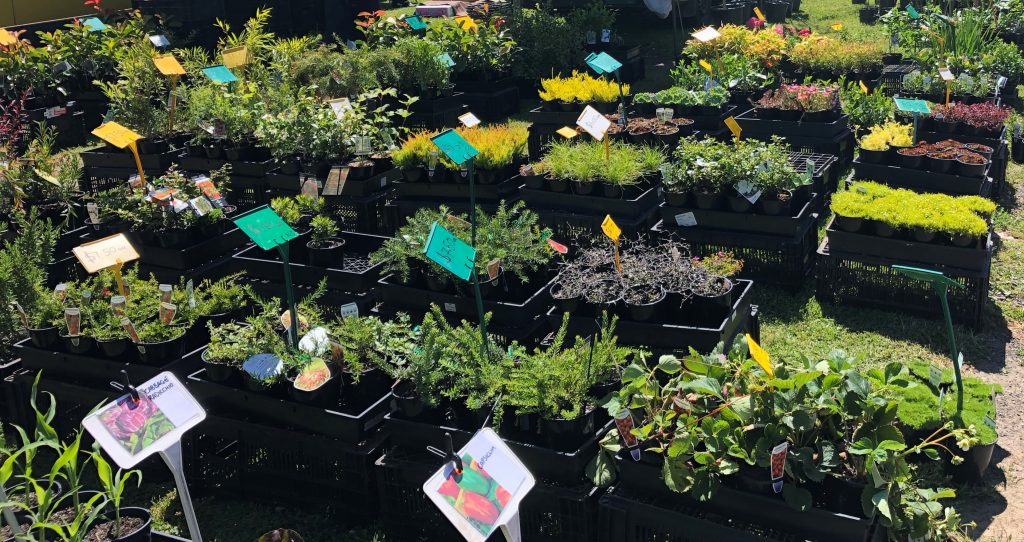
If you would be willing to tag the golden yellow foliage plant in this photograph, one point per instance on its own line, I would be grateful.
(764, 46)
(581, 87)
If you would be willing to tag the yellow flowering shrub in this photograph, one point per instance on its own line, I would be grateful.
(580, 87)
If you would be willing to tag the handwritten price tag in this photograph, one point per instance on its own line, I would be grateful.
(450, 252)
(593, 122)
(105, 253)
(610, 228)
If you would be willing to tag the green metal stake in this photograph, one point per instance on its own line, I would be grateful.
(470, 170)
(941, 283)
(290, 293)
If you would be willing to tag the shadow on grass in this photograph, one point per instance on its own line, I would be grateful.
(980, 502)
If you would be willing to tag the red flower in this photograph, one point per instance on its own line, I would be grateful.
(804, 32)
(779, 30)
(498, 22)
(754, 22)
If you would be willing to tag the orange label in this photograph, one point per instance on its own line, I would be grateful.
(168, 65)
(116, 135)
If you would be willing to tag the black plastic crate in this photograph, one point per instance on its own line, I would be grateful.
(250, 459)
(758, 128)
(910, 252)
(840, 146)
(435, 120)
(871, 281)
(357, 275)
(750, 222)
(98, 371)
(924, 181)
(783, 261)
(629, 207)
(892, 77)
(549, 513)
(520, 311)
(356, 188)
(495, 105)
(568, 225)
(506, 189)
(826, 172)
(244, 168)
(14, 402)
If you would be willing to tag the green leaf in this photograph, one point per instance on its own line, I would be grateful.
(857, 383)
(862, 446)
(801, 379)
(932, 454)
(891, 445)
(803, 420)
(881, 502)
(601, 470)
(797, 497)
(669, 365)
(706, 385)
(674, 476)
(633, 371)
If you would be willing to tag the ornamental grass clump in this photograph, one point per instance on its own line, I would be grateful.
(955, 216)
(586, 161)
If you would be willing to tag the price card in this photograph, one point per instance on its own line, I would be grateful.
(485, 495)
(415, 23)
(469, 120)
(760, 16)
(454, 146)
(602, 63)
(686, 220)
(159, 41)
(706, 34)
(610, 228)
(593, 122)
(6, 38)
(168, 65)
(116, 135)
(220, 74)
(837, 27)
(446, 59)
(94, 24)
(450, 252)
(130, 431)
(106, 252)
(567, 132)
(912, 106)
(946, 74)
(235, 56)
(265, 227)
(734, 127)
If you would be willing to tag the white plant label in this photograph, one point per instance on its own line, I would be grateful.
(341, 106)
(485, 495)
(594, 123)
(946, 74)
(469, 120)
(686, 220)
(749, 190)
(450, 307)
(706, 34)
(349, 310)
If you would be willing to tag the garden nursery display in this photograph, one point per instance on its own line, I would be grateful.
(565, 272)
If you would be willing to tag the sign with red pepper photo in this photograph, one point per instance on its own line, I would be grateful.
(486, 494)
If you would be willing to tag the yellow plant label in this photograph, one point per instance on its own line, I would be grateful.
(567, 132)
(863, 87)
(116, 135)
(466, 22)
(837, 26)
(106, 252)
(733, 126)
(235, 56)
(610, 228)
(6, 38)
(760, 356)
(760, 16)
(705, 64)
(168, 65)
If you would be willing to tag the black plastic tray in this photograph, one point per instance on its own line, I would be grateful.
(193, 256)
(357, 276)
(398, 296)
(973, 259)
(442, 103)
(759, 128)
(124, 159)
(662, 337)
(923, 181)
(747, 222)
(459, 191)
(551, 465)
(244, 168)
(98, 370)
(617, 207)
(348, 423)
(353, 188)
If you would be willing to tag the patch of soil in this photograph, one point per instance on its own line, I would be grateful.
(5, 531)
(102, 532)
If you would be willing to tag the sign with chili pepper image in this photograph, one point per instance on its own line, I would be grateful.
(486, 494)
(131, 428)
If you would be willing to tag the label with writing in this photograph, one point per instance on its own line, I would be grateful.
(686, 220)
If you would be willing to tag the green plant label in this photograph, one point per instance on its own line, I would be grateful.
(446, 59)
(265, 227)
(94, 24)
(808, 171)
(415, 23)
(912, 106)
(220, 74)
(913, 12)
(450, 252)
(602, 63)
(454, 146)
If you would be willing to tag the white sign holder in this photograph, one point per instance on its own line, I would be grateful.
(167, 410)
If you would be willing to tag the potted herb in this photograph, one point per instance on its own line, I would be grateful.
(231, 343)
(716, 283)
(222, 300)
(326, 249)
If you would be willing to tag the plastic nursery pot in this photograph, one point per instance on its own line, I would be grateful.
(643, 301)
(566, 435)
(436, 282)
(141, 526)
(964, 241)
(78, 344)
(911, 158)
(1017, 150)
(922, 235)
(767, 113)
(17, 493)
(218, 372)
(868, 15)
(487, 176)
(372, 385)
(330, 255)
(407, 403)
(582, 188)
(324, 396)
(971, 165)
(776, 12)
(611, 190)
(738, 203)
(534, 182)
(707, 200)
(237, 151)
(849, 223)
(723, 300)
(412, 174)
(828, 115)
(777, 204)
(157, 354)
(153, 146)
(563, 299)
(489, 286)
(44, 338)
(558, 185)
(976, 462)
(790, 115)
(113, 348)
(172, 238)
(869, 156)
(213, 149)
(882, 229)
(983, 150)
(940, 162)
(677, 199)
(945, 127)
(360, 169)
(290, 165)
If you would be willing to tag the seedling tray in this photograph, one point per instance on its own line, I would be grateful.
(974, 259)
(767, 510)
(758, 128)
(923, 181)
(746, 222)
(358, 275)
(193, 256)
(550, 465)
(347, 422)
(97, 371)
(238, 167)
(397, 296)
(352, 187)
(662, 337)
(617, 207)
(124, 159)
(459, 191)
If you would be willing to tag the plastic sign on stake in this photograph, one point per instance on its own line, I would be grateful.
(863, 87)
(159, 41)
(107, 252)
(454, 146)
(169, 66)
(122, 137)
(415, 23)
(446, 59)
(760, 16)
(734, 127)
(760, 356)
(706, 34)
(912, 106)
(450, 252)
(567, 132)
(235, 56)
(220, 74)
(485, 496)
(706, 65)
(265, 227)
(341, 106)
(469, 120)
(913, 12)
(602, 63)
(593, 122)
(94, 24)
(613, 231)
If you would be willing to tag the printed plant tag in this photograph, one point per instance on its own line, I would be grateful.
(624, 423)
(201, 205)
(118, 305)
(129, 328)
(686, 220)
(469, 120)
(593, 122)
(166, 291)
(706, 34)
(558, 247)
(313, 376)
(749, 191)
(309, 186)
(779, 465)
(60, 290)
(493, 268)
(21, 314)
(349, 310)
(73, 320)
(167, 312)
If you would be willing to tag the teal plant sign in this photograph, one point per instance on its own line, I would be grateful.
(416, 23)
(450, 252)
(454, 146)
(912, 106)
(446, 59)
(602, 63)
(220, 74)
(265, 227)
(94, 24)
(913, 12)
